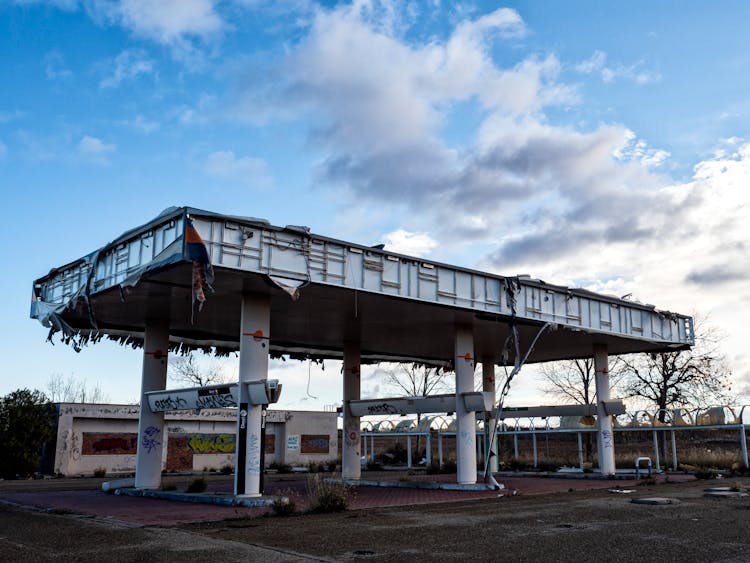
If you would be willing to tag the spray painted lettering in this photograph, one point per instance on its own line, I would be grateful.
(606, 439)
(211, 443)
(215, 401)
(315, 444)
(382, 408)
(170, 404)
(253, 454)
(149, 440)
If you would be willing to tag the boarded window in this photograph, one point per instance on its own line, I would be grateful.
(314, 443)
(109, 443)
(270, 443)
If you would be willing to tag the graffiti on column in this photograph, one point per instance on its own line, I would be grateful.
(352, 436)
(253, 454)
(606, 439)
(150, 439)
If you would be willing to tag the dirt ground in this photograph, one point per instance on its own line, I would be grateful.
(567, 526)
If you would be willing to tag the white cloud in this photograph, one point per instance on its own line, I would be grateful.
(246, 170)
(94, 149)
(413, 244)
(67, 5)
(175, 23)
(128, 65)
(575, 207)
(597, 63)
(145, 125)
(55, 67)
(8, 116)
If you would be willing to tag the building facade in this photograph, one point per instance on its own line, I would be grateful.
(96, 437)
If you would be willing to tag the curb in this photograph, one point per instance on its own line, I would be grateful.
(216, 499)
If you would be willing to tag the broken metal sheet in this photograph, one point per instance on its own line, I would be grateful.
(289, 285)
(203, 272)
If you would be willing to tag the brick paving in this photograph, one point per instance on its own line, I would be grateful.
(94, 502)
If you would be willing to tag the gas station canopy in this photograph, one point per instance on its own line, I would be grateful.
(324, 292)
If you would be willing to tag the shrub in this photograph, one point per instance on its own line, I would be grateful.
(284, 503)
(198, 485)
(27, 422)
(280, 467)
(449, 466)
(325, 496)
(169, 487)
(706, 474)
(227, 470)
(100, 472)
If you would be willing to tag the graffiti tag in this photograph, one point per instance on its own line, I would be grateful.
(215, 401)
(170, 404)
(382, 408)
(253, 454)
(211, 444)
(149, 439)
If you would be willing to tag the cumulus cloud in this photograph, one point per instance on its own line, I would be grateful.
(245, 169)
(128, 65)
(413, 244)
(588, 207)
(177, 24)
(95, 149)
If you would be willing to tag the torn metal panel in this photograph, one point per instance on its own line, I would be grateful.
(290, 286)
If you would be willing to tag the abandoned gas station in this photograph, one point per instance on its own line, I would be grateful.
(192, 279)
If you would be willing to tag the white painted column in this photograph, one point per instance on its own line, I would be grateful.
(149, 454)
(255, 331)
(605, 437)
(351, 467)
(490, 442)
(466, 427)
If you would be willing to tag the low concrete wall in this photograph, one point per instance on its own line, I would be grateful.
(92, 437)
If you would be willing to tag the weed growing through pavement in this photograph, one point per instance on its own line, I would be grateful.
(326, 496)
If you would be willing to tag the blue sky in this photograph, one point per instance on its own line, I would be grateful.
(593, 144)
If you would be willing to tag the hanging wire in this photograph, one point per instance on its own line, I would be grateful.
(309, 376)
(518, 364)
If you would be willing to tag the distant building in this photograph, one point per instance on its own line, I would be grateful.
(92, 437)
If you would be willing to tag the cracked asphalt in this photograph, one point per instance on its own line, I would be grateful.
(562, 526)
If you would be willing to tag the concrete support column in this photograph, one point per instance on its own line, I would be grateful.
(466, 427)
(351, 467)
(149, 454)
(255, 331)
(605, 437)
(490, 442)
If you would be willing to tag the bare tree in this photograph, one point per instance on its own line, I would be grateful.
(71, 390)
(574, 380)
(695, 377)
(416, 380)
(185, 370)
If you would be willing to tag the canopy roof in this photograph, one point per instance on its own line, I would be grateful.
(325, 291)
